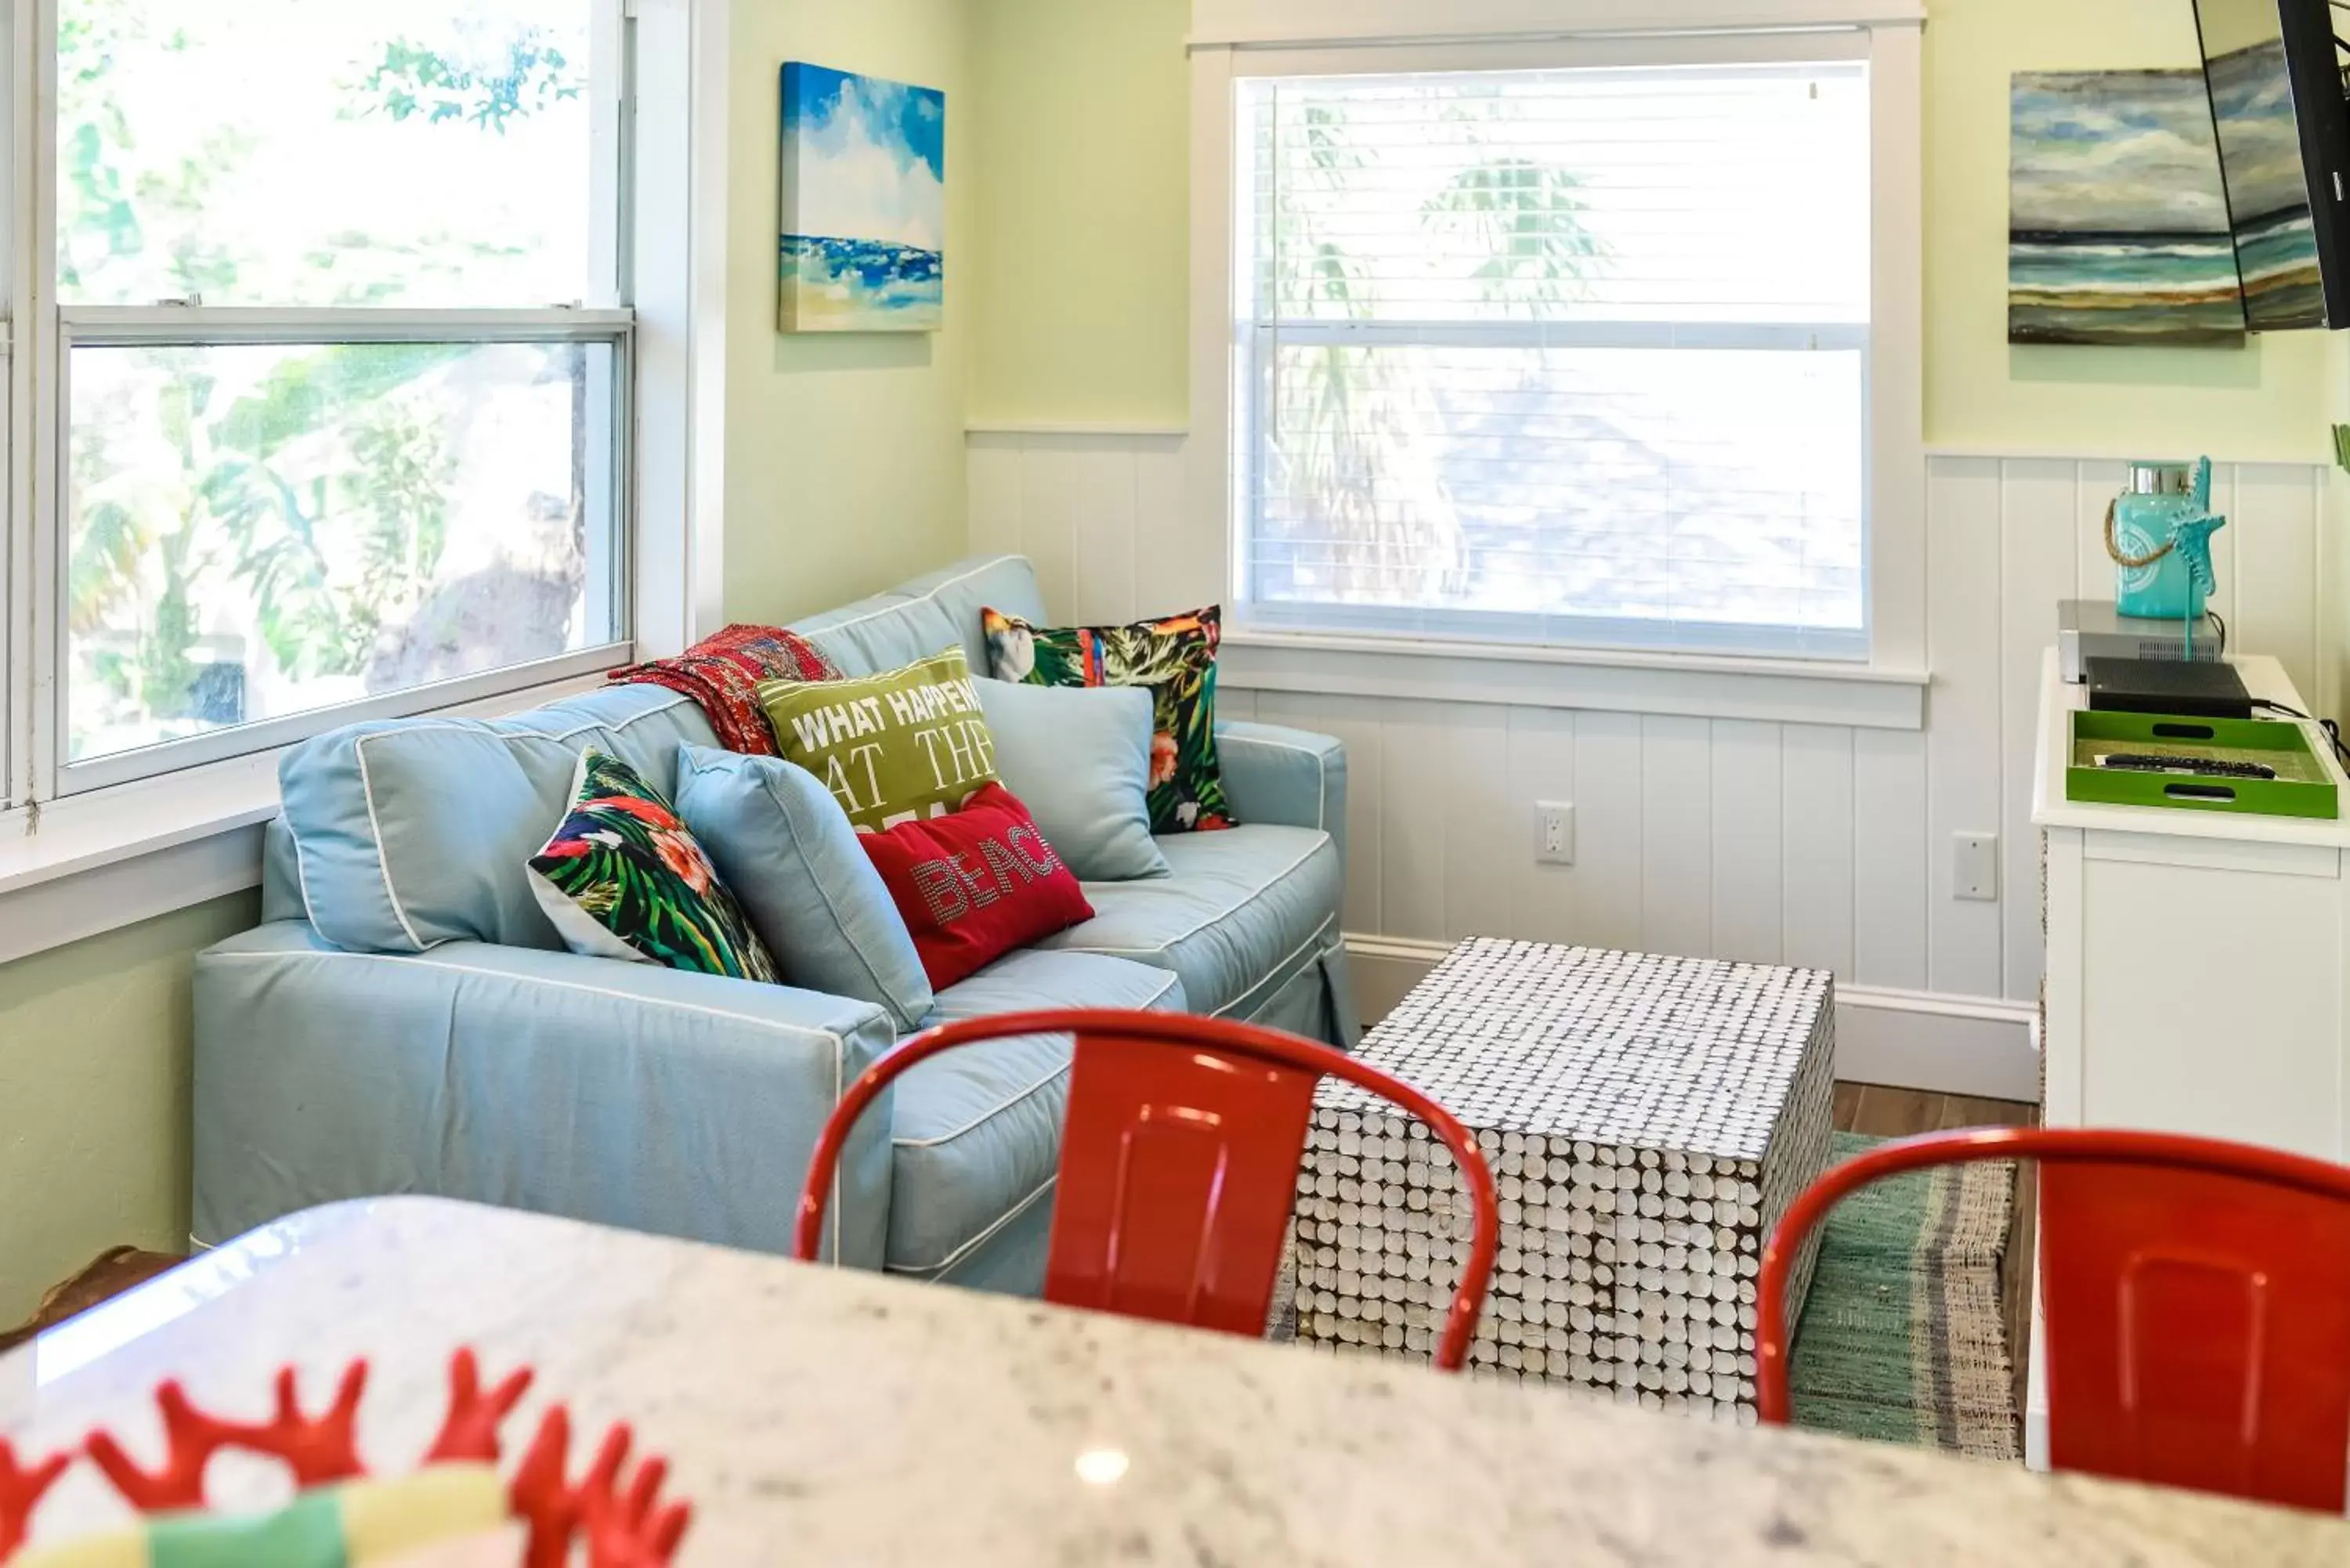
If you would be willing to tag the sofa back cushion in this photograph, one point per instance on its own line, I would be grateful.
(916, 619)
(414, 832)
(408, 833)
(785, 846)
(1079, 759)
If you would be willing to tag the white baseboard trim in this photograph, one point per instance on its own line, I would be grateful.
(1905, 1039)
(1944, 1044)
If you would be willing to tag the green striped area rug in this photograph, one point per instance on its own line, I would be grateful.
(1902, 1338)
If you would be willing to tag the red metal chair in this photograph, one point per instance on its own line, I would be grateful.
(1179, 1163)
(2196, 1303)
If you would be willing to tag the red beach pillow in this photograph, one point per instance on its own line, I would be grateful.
(975, 884)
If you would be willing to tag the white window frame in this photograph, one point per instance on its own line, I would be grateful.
(1232, 41)
(658, 140)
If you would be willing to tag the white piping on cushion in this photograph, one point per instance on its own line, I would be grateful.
(675, 698)
(1280, 973)
(1321, 755)
(978, 570)
(985, 1116)
(989, 1234)
(375, 827)
(1259, 892)
(840, 1090)
(471, 727)
(301, 870)
(823, 887)
(803, 1030)
(839, 1041)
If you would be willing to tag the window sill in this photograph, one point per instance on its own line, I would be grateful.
(112, 857)
(1714, 685)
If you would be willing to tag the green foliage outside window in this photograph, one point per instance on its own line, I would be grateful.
(341, 440)
(1348, 447)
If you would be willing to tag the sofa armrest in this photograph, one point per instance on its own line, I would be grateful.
(1294, 778)
(627, 1095)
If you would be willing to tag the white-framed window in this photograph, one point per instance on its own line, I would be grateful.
(324, 359)
(1604, 344)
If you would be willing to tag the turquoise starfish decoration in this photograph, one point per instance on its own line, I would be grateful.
(2192, 537)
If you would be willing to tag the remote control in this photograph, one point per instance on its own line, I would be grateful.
(2207, 768)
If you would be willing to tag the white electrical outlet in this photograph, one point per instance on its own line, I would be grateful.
(1554, 833)
(1974, 866)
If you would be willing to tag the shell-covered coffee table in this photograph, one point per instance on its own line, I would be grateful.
(1648, 1119)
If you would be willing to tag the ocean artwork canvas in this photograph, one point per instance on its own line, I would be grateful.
(2268, 197)
(2117, 225)
(864, 204)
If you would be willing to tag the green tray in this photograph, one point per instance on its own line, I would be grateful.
(2303, 787)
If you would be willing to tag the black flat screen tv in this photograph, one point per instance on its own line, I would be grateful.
(2277, 107)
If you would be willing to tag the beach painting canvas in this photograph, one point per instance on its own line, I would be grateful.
(864, 204)
(2267, 199)
(2117, 227)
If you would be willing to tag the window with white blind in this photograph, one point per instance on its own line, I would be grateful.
(1575, 356)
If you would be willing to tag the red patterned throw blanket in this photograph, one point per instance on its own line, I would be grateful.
(723, 673)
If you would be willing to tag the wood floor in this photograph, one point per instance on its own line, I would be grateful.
(1880, 1112)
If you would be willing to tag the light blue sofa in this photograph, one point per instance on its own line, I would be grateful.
(408, 1022)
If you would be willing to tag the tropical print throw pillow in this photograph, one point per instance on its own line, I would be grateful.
(623, 878)
(1175, 658)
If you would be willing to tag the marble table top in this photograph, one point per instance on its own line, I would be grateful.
(837, 1418)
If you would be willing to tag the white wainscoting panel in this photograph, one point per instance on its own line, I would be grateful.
(1815, 844)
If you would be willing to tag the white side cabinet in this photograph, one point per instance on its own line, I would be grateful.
(2198, 965)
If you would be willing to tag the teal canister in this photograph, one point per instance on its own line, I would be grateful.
(2154, 576)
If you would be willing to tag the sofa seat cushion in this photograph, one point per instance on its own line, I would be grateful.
(977, 1131)
(1241, 912)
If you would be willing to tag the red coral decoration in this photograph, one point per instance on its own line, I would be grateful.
(470, 1432)
(631, 1532)
(191, 1440)
(319, 1452)
(637, 1531)
(630, 1529)
(20, 1493)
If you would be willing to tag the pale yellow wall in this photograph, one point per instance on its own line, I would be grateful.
(94, 1120)
(1085, 284)
(2263, 401)
(1082, 308)
(844, 453)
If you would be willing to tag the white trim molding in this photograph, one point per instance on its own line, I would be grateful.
(1086, 429)
(1242, 24)
(678, 269)
(192, 867)
(1908, 1040)
(1589, 679)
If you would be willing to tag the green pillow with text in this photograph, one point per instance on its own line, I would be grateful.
(894, 747)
